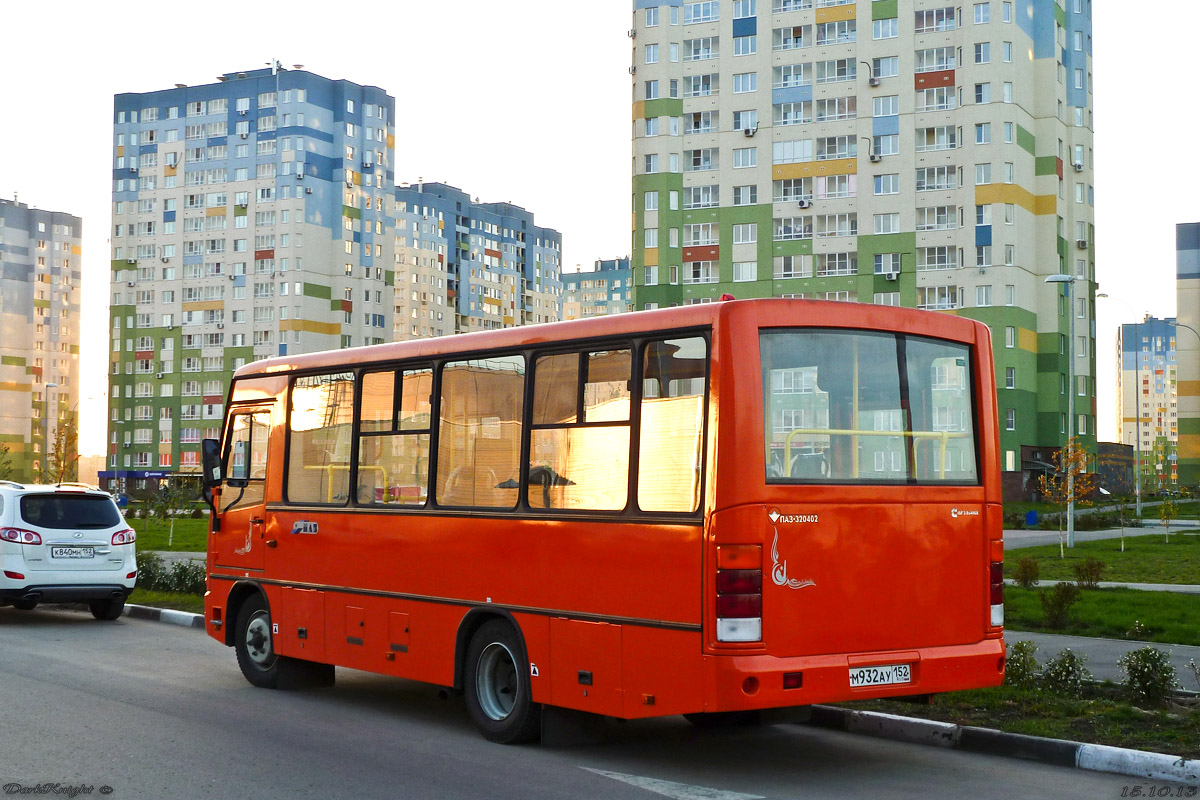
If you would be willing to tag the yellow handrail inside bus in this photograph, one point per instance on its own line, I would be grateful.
(329, 469)
(917, 436)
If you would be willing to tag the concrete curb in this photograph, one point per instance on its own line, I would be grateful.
(1059, 752)
(167, 615)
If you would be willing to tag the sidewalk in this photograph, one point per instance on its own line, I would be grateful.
(1016, 539)
(169, 557)
(1181, 588)
(1103, 653)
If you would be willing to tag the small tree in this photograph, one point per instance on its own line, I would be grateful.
(6, 465)
(1167, 512)
(63, 462)
(1069, 482)
(168, 499)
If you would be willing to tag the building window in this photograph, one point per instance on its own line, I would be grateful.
(983, 13)
(885, 28)
(1010, 419)
(1010, 377)
(1010, 337)
(983, 52)
(745, 82)
(745, 271)
(887, 184)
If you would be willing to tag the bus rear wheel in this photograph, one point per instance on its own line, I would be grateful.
(498, 691)
(254, 645)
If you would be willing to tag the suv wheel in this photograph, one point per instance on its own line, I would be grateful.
(107, 609)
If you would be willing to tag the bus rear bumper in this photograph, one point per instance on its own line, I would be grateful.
(737, 682)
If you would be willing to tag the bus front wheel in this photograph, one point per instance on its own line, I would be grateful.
(253, 642)
(497, 685)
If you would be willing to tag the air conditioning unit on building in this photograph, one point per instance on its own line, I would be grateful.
(308, 190)
(892, 276)
(875, 157)
(131, 283)
(873, 81)
(1078, 167)
(158, 375)
(164, 259)
(1081, 244)
(220, 326)
(299, 176)
(804, 203)
(241, 112)
(633, 70)
(750, 131)
(631, 33)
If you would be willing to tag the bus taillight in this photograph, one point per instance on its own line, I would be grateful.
(997, 581)
(739, 593)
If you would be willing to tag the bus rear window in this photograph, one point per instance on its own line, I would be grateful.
(867, 407)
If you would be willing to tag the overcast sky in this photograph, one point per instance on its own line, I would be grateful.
(527, 102)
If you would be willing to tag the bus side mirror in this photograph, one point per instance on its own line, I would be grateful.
(210, 459)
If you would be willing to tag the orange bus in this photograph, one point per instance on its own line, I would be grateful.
(707, 510)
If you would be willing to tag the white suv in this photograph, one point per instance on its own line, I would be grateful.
(64, 543)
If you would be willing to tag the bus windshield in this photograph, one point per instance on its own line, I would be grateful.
(844, 406)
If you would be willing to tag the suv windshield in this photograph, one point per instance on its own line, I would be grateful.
(844, 406)
(78, 511)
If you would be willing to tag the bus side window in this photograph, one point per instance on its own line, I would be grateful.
(320, 426)
(393, 445)
(672, 424)
(579, 457)
(479, 432)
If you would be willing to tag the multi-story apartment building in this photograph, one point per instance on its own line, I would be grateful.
(937, 157)
(1187, 295)
(1146, 398)
(251, 218)
(40, 271)
(467, 266)
(605, 289)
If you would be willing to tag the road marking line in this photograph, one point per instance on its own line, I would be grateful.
(679, 791)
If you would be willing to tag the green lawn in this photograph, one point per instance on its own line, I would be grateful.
(1147, 559)
(177, 600)
(1168, 617)
(1101, 717)
(191, 535)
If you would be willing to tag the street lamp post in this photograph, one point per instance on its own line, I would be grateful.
(1069, 280)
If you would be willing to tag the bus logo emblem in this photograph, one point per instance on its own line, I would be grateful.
(779, 570)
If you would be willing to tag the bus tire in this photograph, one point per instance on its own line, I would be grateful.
(725, 719)
(497, 685)
(253, 643)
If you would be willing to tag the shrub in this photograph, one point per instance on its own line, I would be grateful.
(1027, 572)
(182, 576)
(1149, 675)
(1014, 521)
(1065, 674)
(1087, 574)
(1195, 668)
(151, 570)
(187, 576)
(1021, 669)
(1057, 603)
(1138, 631)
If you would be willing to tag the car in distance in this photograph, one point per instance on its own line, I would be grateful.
(64, 542)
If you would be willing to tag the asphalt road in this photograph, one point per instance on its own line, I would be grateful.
(159, 711)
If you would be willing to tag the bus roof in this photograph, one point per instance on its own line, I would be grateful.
(820, 313)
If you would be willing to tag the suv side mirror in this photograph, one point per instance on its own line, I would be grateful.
(210, 459)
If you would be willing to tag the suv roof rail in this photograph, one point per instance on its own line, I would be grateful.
(13, 484)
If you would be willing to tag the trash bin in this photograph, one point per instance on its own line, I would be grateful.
(1031, 519)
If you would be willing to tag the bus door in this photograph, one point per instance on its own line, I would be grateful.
(241, 541)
